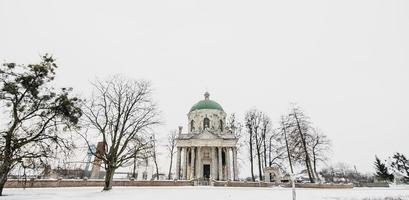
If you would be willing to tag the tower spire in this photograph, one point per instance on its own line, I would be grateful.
(206, 95)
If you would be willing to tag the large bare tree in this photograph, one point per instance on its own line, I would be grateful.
(122, 113)
(301, 126)
(35, 116)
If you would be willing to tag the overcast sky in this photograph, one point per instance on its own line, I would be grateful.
(345, 62)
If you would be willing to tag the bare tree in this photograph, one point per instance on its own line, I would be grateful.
(251, 121)
(122, 112)
(283, 129)
(266, 129)
(258, 125)
(36, 115)
(301, 126)
(155, 155)
(276, 149)
(142, 148)
(170, 146)
(284, 126)
(235, 127)
(320, 146)
(259, 139)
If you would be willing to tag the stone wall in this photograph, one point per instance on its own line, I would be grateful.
(38, 183)
(14, 183)
(377, 184)
(265, 184)
(242, 184)
(322, 185)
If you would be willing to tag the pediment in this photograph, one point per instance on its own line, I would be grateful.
(206, 135)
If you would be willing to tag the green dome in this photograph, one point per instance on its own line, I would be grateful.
(206, 104)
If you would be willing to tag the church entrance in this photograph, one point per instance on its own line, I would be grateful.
(206, 171)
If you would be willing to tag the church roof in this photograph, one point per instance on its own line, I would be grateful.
(206, 104)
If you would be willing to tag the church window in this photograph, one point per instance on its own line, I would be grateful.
(206, 123)
(221, 125)
(192, 126)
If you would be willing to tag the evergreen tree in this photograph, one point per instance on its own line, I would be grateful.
(35, 117)
(401, 164)
(382, 172)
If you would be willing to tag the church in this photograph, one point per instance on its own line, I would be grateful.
(207, 150)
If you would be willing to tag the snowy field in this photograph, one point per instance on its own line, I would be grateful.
(205, 193)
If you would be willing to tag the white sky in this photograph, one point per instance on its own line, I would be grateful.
(346, 62)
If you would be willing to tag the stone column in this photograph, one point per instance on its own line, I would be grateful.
(192, 162)
(199, 172)
(185, 163)
(235, 171)
(228, 171)
(178, 158)
(214, 164)
(219, 164)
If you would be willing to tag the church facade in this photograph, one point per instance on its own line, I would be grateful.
(207, 151)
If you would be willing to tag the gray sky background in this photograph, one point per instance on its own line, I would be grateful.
(345, 62)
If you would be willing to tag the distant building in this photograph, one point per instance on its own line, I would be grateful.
(207, 150)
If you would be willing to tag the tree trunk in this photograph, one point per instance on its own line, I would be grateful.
(157, 168)
(2, 183)
(315, 164)
(304, 144)
(269, 154)
(265, 151)
(258, 146)
(3, 180)
(288, 149)
(5, 167)
(259, 165)
(134, 169)
(110, 171)
(251, 156)
(170, 167)
(4, 171)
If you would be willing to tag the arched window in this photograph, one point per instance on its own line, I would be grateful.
(221, 125)
(192, 126)
(206, 123)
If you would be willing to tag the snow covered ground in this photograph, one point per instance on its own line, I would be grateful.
(205, 193)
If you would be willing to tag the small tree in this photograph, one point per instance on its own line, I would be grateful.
(235, 127)
(170, 146)
(382, 172)
(320, 146)
(252, 123)
(155, 155)
(123, 113)
(36, 114)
